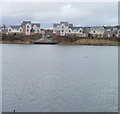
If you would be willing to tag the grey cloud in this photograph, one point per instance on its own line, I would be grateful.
(85, 14)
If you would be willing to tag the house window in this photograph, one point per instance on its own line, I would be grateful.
(62, 30)
(62, 27)
(9, 29)
(20, 30)
(27, 26)
(27, 30)
(80, 31)
(69, 30)
(94, 31)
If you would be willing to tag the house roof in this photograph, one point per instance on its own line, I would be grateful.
(70, 25)
(2, 26)
(86, 29)
(111, 32)
(65, 23)
(75, 28)
(15, 26)
(55, 25)
(25, 22)
(37, 24)
(98, 28)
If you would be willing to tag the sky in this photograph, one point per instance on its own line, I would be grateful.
(47, 13)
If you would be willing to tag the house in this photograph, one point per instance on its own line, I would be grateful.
(26, 28)
(36, 28)
(97, 31)
(26, 25)
(61, 28)
(3, 29)
(30, 28)
(118, 33)
(64, 29)
(15, 29)
(112, 31)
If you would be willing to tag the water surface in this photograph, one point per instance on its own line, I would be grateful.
(58, 78)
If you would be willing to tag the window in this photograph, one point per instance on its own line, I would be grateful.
(62, 30)
(9, 29)
(69, 30)
(27, 26)
(62, 27)
(80, 31)
(27, 30)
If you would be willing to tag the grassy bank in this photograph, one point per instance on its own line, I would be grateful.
(99, 42)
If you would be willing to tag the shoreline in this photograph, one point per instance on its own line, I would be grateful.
(14, 42)
(94, 42)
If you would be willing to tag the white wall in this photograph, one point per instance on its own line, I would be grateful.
(27, 29)
(37, 29)
(10, 30)
(62, 30)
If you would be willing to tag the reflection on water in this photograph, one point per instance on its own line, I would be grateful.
(43, 78)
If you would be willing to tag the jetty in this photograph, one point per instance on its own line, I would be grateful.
(45, 40)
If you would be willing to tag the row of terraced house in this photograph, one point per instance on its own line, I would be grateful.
(63, 29)
(26, 27)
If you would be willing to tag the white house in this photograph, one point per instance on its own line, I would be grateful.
(15, 29)
(30, 28)
(64, 28)
(97, 31)
(118, 33)
(36, 27)
(3, 28)
(61, 28)
(26, 25)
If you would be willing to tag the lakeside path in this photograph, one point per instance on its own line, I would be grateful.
(99, 42)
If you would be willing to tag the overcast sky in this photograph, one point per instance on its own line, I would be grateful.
(47, 13)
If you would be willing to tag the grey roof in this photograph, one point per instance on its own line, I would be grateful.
(109, 27)
(108, 32)
(2, 26)
(75, 28)
(15, 26)
(70, 25)
(37, 24)
(98, 28)
(111, 32)
(65, 23)
(86, 29)
(55, 25)
(25, 22)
